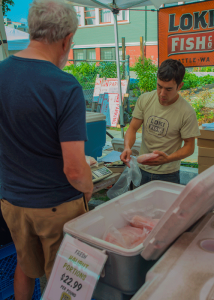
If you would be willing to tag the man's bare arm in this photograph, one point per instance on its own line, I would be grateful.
(129, 139)
(76, 168)
(187, 150)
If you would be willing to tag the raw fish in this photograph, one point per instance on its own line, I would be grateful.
(127, 237)
(143, 222)
(146, 157)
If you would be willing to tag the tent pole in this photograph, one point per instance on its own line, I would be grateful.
(3, 38)
(118, 74)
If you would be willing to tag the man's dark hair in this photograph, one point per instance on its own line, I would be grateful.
(171, 69)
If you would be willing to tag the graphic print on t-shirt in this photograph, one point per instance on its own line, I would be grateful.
(157, 126)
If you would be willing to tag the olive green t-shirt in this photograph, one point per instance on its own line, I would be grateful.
(164, 128)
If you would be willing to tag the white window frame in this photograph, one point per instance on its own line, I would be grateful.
(97, 19)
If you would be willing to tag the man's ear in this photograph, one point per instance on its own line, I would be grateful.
(180, 86)
(67, 41)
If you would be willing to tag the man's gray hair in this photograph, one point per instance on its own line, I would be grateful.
(51, 20)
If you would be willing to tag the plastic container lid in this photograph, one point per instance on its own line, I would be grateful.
(94, 117)
(194, 201)
(91, 227)
(185, 271)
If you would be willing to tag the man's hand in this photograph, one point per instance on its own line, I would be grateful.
(162, 159)
(126, 156)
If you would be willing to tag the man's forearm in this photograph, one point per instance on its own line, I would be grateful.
(182, 153)
(129, 139)
(82, 181)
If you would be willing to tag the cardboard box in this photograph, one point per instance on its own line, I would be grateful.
(205, 160)
(202, 168)
(205, 143)
(206, 134)
(202, 151)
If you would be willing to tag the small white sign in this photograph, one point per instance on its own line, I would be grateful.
(75, 272)
(97, 89)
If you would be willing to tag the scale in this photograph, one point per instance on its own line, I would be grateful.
(100, 172)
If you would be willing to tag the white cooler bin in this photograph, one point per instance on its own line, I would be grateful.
(186, 270)
(118, 145)
(125, 269)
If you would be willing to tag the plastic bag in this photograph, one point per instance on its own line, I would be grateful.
(146, 157)
(127, 237)
(129, 175)
(144, 219)
(91, 161)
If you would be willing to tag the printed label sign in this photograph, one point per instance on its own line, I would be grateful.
(75, 272)
(186, 33)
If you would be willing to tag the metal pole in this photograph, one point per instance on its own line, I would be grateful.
(3, 38)
(145, 28)
(118, 74)
(141, 50)
(123, 55)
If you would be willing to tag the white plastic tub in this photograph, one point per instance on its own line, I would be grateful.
(118, 145)
(183, 206)
(186, 271)
(125, 269)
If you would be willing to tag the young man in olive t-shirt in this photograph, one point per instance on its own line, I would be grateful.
(168, 120)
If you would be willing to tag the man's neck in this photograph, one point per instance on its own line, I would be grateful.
(41, 51)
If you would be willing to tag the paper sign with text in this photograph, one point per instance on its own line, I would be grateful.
(114, 108)
(75, 272)
(105, 109)
(97, 89)
(113, 87)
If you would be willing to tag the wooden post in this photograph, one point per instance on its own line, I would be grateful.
(123, 55)
(141, 50)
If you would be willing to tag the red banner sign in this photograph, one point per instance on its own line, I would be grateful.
(186, 33)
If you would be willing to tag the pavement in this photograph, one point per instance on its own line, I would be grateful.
(117, 134)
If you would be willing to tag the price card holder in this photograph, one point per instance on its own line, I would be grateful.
(75, 272)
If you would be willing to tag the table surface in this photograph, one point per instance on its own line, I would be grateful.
(100, 185)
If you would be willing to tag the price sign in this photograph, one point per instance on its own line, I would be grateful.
(75, 272)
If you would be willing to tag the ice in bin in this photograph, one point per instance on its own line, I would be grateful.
(185, 271)
(183, 206)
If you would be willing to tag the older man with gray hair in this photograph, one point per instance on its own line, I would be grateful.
(46, 180)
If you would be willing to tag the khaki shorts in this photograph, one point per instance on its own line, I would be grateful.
(37, 233)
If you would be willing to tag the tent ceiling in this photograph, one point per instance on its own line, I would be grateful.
(121, 4)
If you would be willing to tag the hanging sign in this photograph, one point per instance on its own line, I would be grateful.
(75, 272)
(114, 108)
(105, 109)
(113, 86)
(111, 109)
(97, 89)
(186, 33)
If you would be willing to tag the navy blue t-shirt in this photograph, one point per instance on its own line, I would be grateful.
(40, 106)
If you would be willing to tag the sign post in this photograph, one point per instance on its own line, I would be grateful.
(186, 33)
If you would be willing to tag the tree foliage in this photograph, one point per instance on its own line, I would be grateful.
(6, 6)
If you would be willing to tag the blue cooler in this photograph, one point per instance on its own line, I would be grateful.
(96, 132)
